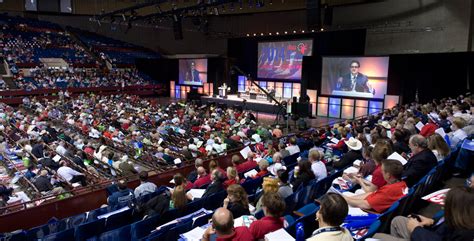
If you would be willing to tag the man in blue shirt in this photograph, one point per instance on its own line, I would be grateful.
(122, 197)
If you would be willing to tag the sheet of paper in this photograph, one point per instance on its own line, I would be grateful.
(419, 125)
(279, 235)
(245, 152)
(441, 132)
(398, 157)
(196, 193)
(193, 235)
(334, 140)
(356, 212)
(57, 158)
(389, 134)
(250, 173)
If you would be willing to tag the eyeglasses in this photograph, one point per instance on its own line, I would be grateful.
(354, 67)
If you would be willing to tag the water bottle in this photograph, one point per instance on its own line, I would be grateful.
(300, 232)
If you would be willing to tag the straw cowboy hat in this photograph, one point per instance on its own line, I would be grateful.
(353, 144)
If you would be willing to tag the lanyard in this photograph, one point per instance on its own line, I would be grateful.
(323, 230)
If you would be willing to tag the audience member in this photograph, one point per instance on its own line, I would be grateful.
(317, 166)
(145, 186)
(438, 146)
(422, 160)
(122, 197)
(383, 198)
(273, 207)
(332, 211)
(237, 201)
(223, 228)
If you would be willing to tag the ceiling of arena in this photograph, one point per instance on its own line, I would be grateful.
(97, 7)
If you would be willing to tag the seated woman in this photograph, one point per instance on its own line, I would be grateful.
(438, 146)
(458, 222)
(263, 165)
(180, 180)
(270, 185)
(458, 134)
(303, 174)
(273, 207)
(333, 210)
(179, 198)
(237, 201)
(232, 177)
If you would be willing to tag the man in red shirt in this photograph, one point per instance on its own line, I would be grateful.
(203, 178)
(385, 196)
(223, 228)
(273, 207)
(247, 165)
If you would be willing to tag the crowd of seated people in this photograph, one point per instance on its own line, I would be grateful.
(24, 41)
(48, 78)
(204, 130)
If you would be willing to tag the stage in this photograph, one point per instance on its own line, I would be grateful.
(258, 105)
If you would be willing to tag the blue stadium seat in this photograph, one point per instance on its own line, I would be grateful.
(202, 220)
(67, 234)
(90, 229)
(215, 200)
(173, 233)
(14, 236)
(120, 234)
(142, 228)
(119, 219)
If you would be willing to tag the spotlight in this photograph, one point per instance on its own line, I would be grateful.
(312, 31)
(270, 34)
(254, 34)
(248, 35)
(286, 32)
(261, 34)
(302, 31)
(277, 33)
(322, 29)
(294, 31)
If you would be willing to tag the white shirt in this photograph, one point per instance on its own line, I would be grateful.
(61, 150)
(145, 188)
(457, 136)
(319, 170)
(68, 173)
(293, 149)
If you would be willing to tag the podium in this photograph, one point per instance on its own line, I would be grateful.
(223, 91)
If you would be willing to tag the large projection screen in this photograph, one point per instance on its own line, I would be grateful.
(364, 77)
(282, 59)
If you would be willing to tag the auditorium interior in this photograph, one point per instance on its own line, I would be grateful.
(236, 120)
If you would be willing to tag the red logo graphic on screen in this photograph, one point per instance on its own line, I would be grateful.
(302, 48)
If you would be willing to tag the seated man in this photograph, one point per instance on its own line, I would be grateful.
(421, 161)
(223, 228)
(70, 174)
(384, 197)
(43, 183)
(244, 166)
(145, 186)
(122, 197)
(216, 184)
(203, 178)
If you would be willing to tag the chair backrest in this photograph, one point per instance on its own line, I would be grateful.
(67, 234)
(119, 219)
(291, 159)
(173, 233)
(90, 229)
(252, 185)
(14, 236)
(77, 220)
(142, 228)
(372, 230)
(202, 220)
(120, 234)
(215, 200)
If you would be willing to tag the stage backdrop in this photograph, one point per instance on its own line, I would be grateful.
(368, 73)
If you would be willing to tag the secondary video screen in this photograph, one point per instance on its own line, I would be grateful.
(364, 77)
(192, 71)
